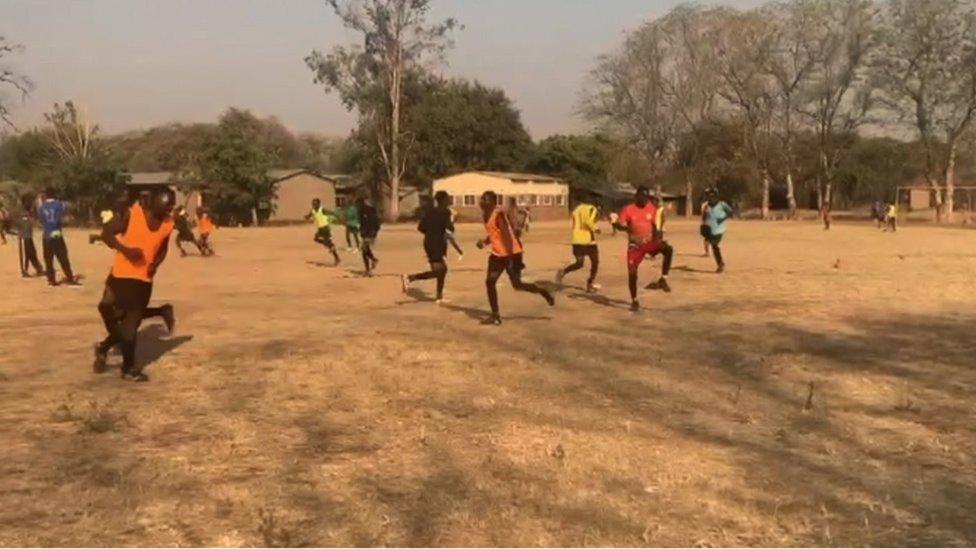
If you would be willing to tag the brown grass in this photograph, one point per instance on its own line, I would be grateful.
(787, 402)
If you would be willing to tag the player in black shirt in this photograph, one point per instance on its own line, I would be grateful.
(436, 224)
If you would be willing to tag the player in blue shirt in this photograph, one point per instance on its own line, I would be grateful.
(715, 216)
(51, 214)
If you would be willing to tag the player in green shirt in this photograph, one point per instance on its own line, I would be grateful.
(351, 217)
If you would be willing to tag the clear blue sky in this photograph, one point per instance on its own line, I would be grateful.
(136, 63)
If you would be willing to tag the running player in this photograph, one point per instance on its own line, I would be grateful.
(141, 240)
(449, 235)
(28, 252)
(51, 213)
(506, 255)
(369, 229)
(584, 242)
(206, 226)
(435, 224)
(640, 221)
(184, 233)
(716, 215)
(323, 220)
(703, 229)
(351, 218)
(891, 217)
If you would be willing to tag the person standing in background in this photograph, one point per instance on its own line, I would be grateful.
(351, 217)
(51, 214)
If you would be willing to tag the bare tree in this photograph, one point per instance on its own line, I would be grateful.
(628, 97)
(790, 64)
(9, 78)
(929, 69)
(691, 81)
(839, 95)
(743, 48)
(369, 78)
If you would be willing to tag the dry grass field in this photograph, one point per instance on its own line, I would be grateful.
(821, 392)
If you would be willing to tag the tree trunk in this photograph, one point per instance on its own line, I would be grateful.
(688, 196)
(764, 175)
(790, 194)
(950, 185)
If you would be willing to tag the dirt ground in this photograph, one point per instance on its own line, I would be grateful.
(820, 392)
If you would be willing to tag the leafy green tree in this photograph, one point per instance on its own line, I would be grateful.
(583, 160)
(235, 165)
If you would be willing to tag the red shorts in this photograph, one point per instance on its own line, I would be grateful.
(637, 252)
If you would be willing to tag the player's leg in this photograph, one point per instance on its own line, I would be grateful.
(61, 253)
(593, 252)
(514, 269)
(30, 256)
(111, 316)
(165, 312)
(579, 254)
(717, 252)
(48, 251)
(496, 266)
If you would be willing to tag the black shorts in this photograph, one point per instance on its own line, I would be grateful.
(586, 250)
(324, 235)
(511, 264)
(127, 294)
(705, 231)
(715, 239)
(185, 237)
(436, 251)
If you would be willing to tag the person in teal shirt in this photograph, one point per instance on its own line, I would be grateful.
(323, 222)
(716, 216)
(351, 216)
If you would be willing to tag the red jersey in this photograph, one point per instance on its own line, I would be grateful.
(640, 222)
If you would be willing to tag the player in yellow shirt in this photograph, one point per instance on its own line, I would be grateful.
(584, 241)
(323, 221)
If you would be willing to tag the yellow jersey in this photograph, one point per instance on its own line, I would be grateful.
(584, 224)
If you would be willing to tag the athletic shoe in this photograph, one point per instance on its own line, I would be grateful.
(404, 282)
(93, 238)
(460, 258)
(73, 283)
(493, 320)
(441, 301)
(101, 357)
(169, 318)
(720, 270)
(560, 274)
(634, 306)
(137, 377)
(593, 288)
(659, 284)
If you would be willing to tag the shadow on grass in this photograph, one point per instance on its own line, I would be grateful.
(154, 343)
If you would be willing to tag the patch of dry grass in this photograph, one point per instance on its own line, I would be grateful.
(796, 400)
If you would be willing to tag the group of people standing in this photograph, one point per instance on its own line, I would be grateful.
(49, 210)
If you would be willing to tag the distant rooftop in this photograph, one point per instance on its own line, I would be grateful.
(523, 177)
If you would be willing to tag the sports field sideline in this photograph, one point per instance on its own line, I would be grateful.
(820, 392)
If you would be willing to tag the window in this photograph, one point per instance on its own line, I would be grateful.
(561, 200)
(547, 200)
(531, 200)
(470, 200)
(341, 201)
(523, 199)
(451, 201)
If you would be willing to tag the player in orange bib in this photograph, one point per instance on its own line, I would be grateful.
(506, 255)
(206, 225)
(642, 222)
(141, 240)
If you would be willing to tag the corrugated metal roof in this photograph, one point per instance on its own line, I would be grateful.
(151, 178)
(516, 177)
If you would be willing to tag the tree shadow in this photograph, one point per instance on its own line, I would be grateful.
(154, 342)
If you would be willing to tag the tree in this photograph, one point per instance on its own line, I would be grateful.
(790, 64)
(929, 69)
(81, 164)
(691, 82)
(627, 97)
(235, 165)
(11, 79)
(397, 39)
(839, 95)
(743, 48)
(582, 160)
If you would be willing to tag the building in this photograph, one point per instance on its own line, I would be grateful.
(618, 195)
(546, 197)
(188, 194)
(294, 191)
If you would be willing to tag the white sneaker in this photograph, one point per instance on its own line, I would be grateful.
(405, 282)
(460, 258)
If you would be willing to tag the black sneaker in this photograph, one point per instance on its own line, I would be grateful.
(169, 318)
(659, 284)
(720, 270)
(404, 282)
(493, 320)
(635, 306)
(137, 377)
(101, 357)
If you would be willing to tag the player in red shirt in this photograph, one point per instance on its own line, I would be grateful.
(642, 222)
